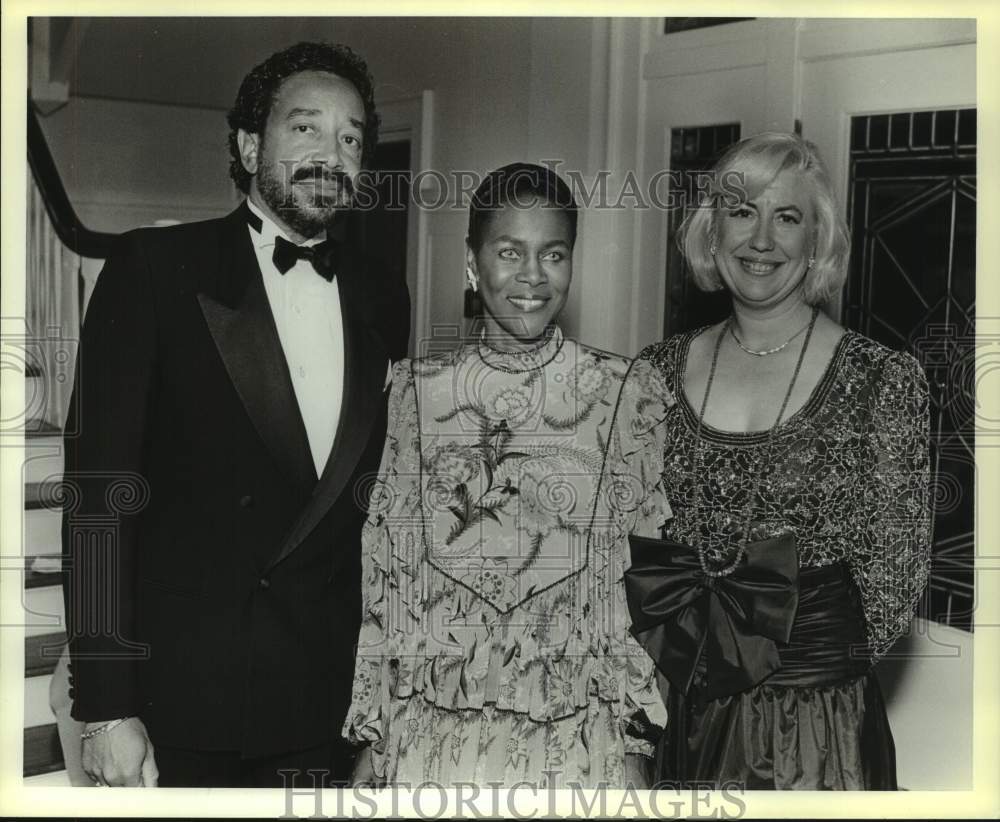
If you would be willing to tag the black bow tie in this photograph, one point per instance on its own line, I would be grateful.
(286, 254)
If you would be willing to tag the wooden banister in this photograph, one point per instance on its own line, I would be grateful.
(75, 235)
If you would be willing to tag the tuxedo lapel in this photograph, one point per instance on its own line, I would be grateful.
(365, 363)
(242, 326)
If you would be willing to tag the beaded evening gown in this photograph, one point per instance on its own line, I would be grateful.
(494, 644)
(848, 479)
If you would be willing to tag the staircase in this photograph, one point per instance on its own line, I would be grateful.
(54, 302)
(44, 633)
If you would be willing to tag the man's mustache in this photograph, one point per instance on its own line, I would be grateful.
(322, 174)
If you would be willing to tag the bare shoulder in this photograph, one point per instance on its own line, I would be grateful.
(703, 342)
(826, 337)
(827, 333)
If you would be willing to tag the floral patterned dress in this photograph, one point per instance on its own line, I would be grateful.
(847, 475)
(494, 644)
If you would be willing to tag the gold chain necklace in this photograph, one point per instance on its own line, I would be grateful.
(768, 351)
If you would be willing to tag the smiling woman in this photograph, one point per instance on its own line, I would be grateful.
(506, 658)
(763, 242)
(795, 464)
(788, 178)
(522, 228)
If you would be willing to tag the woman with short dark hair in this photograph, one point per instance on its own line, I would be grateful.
(494, 646)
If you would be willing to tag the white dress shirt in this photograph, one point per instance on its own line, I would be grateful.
(307, 312)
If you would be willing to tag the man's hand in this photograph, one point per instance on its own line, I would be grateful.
(122, 757)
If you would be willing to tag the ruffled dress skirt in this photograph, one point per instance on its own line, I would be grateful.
(484, 746)
(818, 723)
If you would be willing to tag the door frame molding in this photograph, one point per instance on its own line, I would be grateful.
(412, 118)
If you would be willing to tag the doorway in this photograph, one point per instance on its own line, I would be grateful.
(382, 231)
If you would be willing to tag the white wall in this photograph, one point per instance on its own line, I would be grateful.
(126, 164)
(928, 685)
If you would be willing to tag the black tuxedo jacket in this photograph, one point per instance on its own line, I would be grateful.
(212, 580)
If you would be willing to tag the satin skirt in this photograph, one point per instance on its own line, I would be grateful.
(818, 723)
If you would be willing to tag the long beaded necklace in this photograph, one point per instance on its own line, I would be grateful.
(699, 456)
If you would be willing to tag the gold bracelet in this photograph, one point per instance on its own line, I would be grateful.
(103, 729)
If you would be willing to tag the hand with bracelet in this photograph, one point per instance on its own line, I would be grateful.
(118, 753)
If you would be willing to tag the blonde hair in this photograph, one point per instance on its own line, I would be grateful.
(745, 170)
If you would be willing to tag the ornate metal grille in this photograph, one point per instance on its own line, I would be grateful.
(913, 285)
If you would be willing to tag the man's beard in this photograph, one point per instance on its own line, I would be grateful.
(301, 202)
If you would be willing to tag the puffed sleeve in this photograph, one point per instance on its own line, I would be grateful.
(638, 504)
(387, 532)
(892, 559)
(637, 495)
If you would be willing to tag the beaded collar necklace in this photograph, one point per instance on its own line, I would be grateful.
(519, 362)
(699, 455)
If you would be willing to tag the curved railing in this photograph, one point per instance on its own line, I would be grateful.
(75, 235)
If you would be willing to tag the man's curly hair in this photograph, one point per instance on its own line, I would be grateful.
(261, 86)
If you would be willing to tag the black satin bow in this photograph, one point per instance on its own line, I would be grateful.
(682, 617)
(286, 254)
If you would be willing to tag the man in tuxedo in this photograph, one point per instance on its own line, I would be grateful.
(230, 410)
